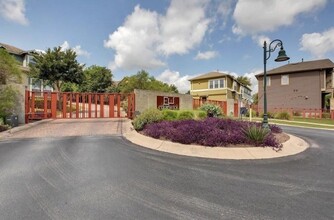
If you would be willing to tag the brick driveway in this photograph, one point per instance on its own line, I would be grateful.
(72, 127)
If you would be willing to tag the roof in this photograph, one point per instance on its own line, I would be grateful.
(209, 75)
(301, 67)
(12, 49)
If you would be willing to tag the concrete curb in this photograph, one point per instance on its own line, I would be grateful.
(293, 146)
(22, 127)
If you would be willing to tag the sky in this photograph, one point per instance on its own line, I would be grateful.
(173, 40)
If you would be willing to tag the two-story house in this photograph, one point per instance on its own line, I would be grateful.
(297, 86)
(24, 58)
(217, 86)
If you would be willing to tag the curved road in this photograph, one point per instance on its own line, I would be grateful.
(107, 177)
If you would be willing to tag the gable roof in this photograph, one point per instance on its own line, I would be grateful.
(301, 67)
(209, 75)
(12, 49)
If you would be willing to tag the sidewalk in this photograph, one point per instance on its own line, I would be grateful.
(293, 146)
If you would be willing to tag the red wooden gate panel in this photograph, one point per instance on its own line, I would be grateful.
(78, 105)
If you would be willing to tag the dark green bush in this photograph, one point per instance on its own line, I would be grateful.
(253, 113)
(186, 115)
(214, 109)
(146, 117)
(283, 115)
(169, 114)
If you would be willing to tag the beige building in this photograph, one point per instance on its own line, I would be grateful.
(297, 86)
(217, 86)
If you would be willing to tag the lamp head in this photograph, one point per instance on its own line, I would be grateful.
(282, 56)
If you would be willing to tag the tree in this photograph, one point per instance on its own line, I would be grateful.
(9, 70)
(244, 80)
(255, 98)
(57, 67)
(96, 79)
(142, 80)
(9, 73)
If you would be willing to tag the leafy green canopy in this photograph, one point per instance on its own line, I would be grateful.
(57, 67)
(96, 79)
(142, 80)
(9, 68)
(244, 80)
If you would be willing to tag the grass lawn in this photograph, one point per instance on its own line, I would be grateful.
(304, 122)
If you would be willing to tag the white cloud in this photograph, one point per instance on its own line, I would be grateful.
(13, 10)
(146, 37)
(173, 77)
(207, 55)
(135, 42)
(254, 17)
(79, 51)
(259, 39)
(183, 27)
(318, 44)
(253, 80)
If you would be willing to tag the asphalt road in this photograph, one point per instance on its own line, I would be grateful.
(106, 177)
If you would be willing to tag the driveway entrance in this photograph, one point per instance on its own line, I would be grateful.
(65, 105)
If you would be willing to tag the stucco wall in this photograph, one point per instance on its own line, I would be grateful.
(148, 99)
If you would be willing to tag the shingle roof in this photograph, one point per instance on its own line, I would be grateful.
(301, 67)
(12, 49)
(209, 75)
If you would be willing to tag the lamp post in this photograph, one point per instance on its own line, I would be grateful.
(266, 55)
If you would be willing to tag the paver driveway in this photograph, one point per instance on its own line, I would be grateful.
(73, 127)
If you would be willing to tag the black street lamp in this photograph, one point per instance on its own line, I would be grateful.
(266, 55)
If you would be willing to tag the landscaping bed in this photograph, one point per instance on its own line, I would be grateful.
(217, 132)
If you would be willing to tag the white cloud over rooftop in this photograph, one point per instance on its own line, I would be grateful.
(146, 37)
(14, 10)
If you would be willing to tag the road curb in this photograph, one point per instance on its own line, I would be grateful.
(293, 146)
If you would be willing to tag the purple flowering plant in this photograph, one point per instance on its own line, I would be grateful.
(213, 132)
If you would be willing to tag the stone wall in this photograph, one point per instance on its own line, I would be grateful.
(148, 99)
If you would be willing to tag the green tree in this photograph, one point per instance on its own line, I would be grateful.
(96, 79)
(255, 98)
(142, 80)
(244, 80)
(57, 67)
(9, 73)
(9, 70)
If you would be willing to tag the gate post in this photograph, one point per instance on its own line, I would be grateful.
(45, 96)
(64, 105)
(119, 105)
(101, 106)
(111, 105)
(53, 105)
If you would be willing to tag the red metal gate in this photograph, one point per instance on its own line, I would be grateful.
(78, 105)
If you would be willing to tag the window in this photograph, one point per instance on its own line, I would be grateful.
(268, 81)
(285, 80)
(216, 83)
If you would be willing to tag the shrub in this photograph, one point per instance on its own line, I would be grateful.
(8, 100)
(185, 115)
(326, 115)
(275, 129)
(4, 127)
(169, 114)
(201, 115)
(255, 134)
(146, 117)
(253, 113)
(297, 113)
(269, 114)
(283, 115)
(214, 109)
